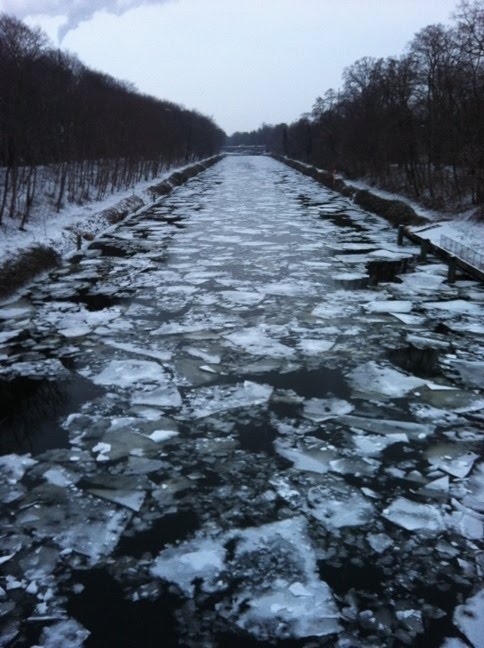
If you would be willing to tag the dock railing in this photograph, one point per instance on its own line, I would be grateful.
(464, 252)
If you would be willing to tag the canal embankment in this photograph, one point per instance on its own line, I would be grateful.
(41, 249)
(412, 226)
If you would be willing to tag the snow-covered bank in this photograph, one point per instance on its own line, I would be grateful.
(461, 235)
(62, 232)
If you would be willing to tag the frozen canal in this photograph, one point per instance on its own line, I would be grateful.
(244, 417)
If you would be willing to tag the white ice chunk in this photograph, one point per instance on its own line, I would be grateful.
(414, 516)
(242, 297)
(413, 320)
(58, 477)
(469, 618)
(14, 313)
(458, 467)
(322, 409)
(200, 559)
(372, 444)
(163, 356)
(125, 373)
(211, 358)
(166, 396)
(4, 559)
(131, 499)
(270, 607)
(471, 372)
(315, 346)
(158, 436)
(310, 459)
(210, 400)
(339, 509)
(378, 379)
(298, 589)
(455, 306)
(13, 466)
(102, 448)
(441, 484)
(474, 498)
(390, 306)
(389, 427)
(379, 542)
(256, 342)
(7, 335)
(311, 615)
(453, 642)
(67, 633)
(75, 331)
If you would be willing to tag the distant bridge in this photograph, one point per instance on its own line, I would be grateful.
(245, 149)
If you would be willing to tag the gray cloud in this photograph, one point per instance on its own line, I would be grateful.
(76, 11)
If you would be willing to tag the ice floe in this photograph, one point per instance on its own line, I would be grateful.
(469, 618)
(126, 373)
(206, 401)
(414, 516)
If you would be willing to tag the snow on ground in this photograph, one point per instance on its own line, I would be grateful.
(46, 227)
(460, 228)
(58, 230)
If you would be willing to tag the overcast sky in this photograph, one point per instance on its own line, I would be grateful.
(243, 62)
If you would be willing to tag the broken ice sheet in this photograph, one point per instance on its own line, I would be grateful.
(76, 522)
(390, 306)
(474, 498)
(389, 427)
(202, 559)
(275, 589)
(414, 516)
(340, 507)
(470, 372)
(166, 396)
(254, 340)
(122, 443)
(13, 467)
(374, 378)
(211, 400)
(379, 542)
(131, 499)
(312, 458)
(450, 459)
(126, 373)
(242, 297)
(372, 444)
(315, 346)
(322, 409)
(455, 307)
(469, 618)
(67, 633)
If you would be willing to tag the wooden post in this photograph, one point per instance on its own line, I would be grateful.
(424, 248)
(452, 269)
(401, 232)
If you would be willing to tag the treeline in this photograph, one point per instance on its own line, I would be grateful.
(79, 132)
(413, 124)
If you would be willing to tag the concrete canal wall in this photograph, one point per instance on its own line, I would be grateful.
(30, 262)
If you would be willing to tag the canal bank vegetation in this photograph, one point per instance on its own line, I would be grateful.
(36, 252)
(70, 134)
(411, 124)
